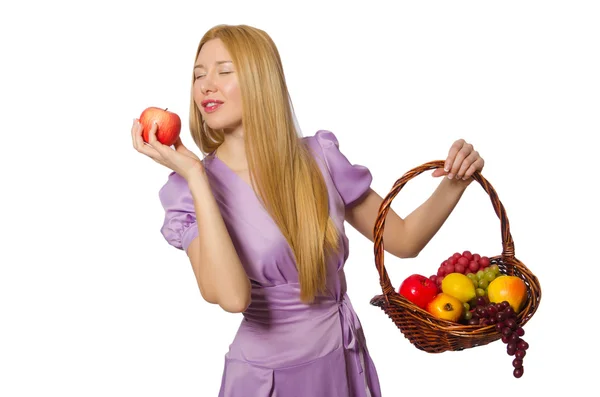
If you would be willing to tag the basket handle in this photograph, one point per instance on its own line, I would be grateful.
(508, 249)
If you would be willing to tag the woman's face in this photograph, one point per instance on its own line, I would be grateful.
(216, 89)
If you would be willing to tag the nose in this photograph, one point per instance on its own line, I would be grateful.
(208, 84)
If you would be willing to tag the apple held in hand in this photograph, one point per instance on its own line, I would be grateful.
(169, 125)
(418, 289)
(445, 307)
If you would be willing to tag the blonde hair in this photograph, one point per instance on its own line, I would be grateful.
(286, 177)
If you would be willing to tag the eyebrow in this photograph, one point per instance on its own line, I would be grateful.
(218, 63)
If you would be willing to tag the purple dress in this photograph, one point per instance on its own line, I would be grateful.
(283, 347)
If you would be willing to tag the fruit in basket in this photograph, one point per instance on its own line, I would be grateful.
(418, 289)
(445, 307)
(502, 316)
(464, 263)
(508, 288)
(459, 286)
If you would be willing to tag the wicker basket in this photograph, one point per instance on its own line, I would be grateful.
(424, 331)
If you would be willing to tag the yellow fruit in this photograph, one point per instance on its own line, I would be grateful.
(508, 288)
(459, 286)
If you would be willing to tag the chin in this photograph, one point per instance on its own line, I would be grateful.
(222, 125)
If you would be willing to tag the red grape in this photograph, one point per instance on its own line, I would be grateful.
(518, 372)
(473, 267)
(484, 261)
(459, 268)
(523, 345)
(505, 322)
(511, 323)
(467, 255)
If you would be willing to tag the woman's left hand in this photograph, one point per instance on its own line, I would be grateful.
(461, 163)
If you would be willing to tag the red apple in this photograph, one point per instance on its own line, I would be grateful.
(418, 289)
(169, 124)
(445, 307)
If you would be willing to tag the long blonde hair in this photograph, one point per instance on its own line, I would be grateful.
(286, 177)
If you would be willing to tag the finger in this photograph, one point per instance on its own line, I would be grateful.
(152, 140)
(464, 166)
(476, 166)
(134, 132)
(438, 172)
(454, 149)
(140, 145)
(179, 146)
(163, 150)
(462, 154)
(151, 152)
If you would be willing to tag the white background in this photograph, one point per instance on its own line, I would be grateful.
(94, 302)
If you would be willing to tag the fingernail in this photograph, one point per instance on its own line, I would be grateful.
(450, 176)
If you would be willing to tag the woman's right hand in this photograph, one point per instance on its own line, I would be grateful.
(181, 159)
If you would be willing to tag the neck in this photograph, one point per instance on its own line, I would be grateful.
(232, 151)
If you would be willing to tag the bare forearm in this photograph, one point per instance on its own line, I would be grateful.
(219, 271)
(425, 221)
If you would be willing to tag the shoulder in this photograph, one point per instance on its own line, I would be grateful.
(351, 180)
(323, 138)
(174, 186)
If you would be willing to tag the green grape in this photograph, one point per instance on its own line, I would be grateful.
(490, 276)
(480, 274)
(475, 283)
(480, 292)
(483, 283)
(468, 315)
(466, 306)
(472, 276)
(495, 269)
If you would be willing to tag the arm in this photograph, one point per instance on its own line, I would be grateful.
(217, 267)
(405, 238)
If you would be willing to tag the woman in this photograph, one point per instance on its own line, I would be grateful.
(261, 219)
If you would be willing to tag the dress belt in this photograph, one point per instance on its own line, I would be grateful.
(350, 322)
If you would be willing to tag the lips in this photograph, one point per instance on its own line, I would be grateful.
(210, 105)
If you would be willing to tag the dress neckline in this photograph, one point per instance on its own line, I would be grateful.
(228, 170)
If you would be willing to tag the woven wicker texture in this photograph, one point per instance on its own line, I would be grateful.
(424, 331)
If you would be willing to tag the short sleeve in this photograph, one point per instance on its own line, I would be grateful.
(351, 180)
(179, 227)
